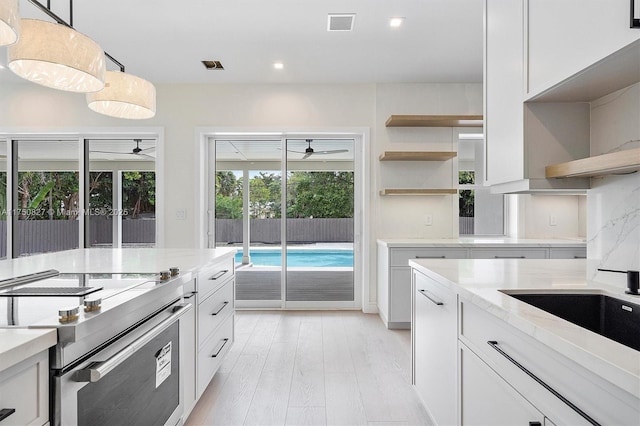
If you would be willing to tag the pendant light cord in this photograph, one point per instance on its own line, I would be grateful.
(47, 9)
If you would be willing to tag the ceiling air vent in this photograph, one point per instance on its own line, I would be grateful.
(213, 65)
(341, 22)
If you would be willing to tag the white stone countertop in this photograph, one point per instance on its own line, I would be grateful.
(17, 344)
(480, 281)
(482, 242)
(104, 260)
(21, 343)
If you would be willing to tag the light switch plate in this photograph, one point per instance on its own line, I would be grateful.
(181, 214)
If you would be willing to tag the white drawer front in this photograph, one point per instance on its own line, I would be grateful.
(25, 388)
(401, 256)
(508, 253)
(214, 276)
(568, 253)
(213, 351)
(213, 310)
(601, 400)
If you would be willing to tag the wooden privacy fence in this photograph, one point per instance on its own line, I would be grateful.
(42, 236)
(298, 230)
(466, 226)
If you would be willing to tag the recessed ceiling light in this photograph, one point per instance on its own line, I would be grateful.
(278, 65)
(396, 22)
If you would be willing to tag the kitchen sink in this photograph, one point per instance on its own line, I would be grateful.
(613, 318)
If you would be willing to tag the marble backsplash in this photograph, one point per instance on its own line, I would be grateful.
(613, 227)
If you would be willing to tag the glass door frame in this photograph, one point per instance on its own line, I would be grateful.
(360, 219)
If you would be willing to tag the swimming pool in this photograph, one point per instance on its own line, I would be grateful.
(296, 258)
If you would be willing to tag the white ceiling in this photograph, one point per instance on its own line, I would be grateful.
(164, 40)
(60, 150)
(270, 150)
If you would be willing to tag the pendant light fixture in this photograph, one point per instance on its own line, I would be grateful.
(124, 96)
(9, 22)
(57, 56)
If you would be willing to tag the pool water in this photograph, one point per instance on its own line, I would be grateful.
(312, 258)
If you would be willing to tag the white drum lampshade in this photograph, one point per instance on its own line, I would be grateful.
(57, 56)
(124, 96)
(9, 22)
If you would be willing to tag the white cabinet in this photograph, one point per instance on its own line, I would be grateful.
(508, 352)
(394, 273)
(545, 60)
(568, 253)
(24, 388)
(215, 295)
(207, 331)
(522, 139)
(394, 279)
(503, 87)
(509, 253)
(567, 36)
(188, 332)
(434, 344)
(486, 399)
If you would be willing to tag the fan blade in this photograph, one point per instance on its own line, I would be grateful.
(148, 149)
(148, 156)
(112, 152)
(307, 155)
(334, 151)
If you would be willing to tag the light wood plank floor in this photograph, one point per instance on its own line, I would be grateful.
(312, 368)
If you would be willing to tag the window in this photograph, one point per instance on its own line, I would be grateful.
(480, 212)
(59, 194)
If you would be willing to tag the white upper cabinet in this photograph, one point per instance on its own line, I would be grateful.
(521, 139)
(545, 60)
(568, 36)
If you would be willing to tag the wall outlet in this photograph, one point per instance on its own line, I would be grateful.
(181, 214)
(553, 220)
(428, 220)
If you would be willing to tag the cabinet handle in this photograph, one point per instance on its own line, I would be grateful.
(435, 302)
(635, 22)
(224, 342)
(584, 415)
(219, 274)
(191, 294)
(430, 257)
(224, 305)
(6, 412)
(509, 257)
(579, 257)
(535, 424)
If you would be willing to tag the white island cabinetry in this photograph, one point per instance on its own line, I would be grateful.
(517, 364)
(435, 320)
(24, 392)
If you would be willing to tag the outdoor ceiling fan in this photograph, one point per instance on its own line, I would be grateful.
(142, 152)
(310, 151)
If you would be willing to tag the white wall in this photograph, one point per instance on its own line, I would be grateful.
(613, 228)
(183, 108)
(554, 216)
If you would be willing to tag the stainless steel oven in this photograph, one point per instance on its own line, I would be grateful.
(134, 379)
(117, 358)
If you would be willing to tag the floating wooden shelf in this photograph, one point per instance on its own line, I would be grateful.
(417, 155)
(434, 121)
(418, 191)
(615, 162)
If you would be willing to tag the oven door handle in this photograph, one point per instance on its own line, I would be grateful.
(97, 370)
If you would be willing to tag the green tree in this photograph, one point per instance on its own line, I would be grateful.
(466, 197)
(264, 195)
(138, 193)
(320, 195)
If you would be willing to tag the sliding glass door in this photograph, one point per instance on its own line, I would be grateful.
(288, 206)
(319, 222)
